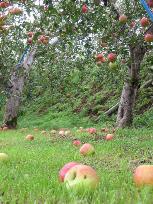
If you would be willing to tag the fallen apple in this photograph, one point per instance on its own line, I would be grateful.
(65, 169)
(53, 132)
(92, 130)
(76, 143)
(29, 137)
(109, 137)
(81, 178)
(143, 175)
(87, 149)
(3, 157)
(61, 133)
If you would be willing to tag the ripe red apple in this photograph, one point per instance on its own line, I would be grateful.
(132, 25)
(109, 137)
(144, 22)
(143, 175)
(92, 130)
(87, 149)
(3, 157)
(81, 178)
(112, 57)
(123, 19)
(76, 143)
(84, 8)
(30, 34)
(65, 169)
(150, 3)
(4, 4)
(29, 41)
(16, 11)
(29, 137)
(148, 37)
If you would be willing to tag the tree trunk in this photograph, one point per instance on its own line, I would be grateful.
(130, 89)
(15, 89)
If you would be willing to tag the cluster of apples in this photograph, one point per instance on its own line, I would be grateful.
(111, 58)
(42, 39)
(78, 177)
(144, 22)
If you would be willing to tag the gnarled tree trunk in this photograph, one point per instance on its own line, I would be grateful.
(15, 89)
(130, 89)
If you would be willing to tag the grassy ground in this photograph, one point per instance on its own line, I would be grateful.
(31, 174)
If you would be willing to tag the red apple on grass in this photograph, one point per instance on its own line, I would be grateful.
(29, 137)
(92, 130)
(81, 178)
(65, 169)
(143, 175)
(109, 137)
(76, 143)
(87, 149)
(3, 157)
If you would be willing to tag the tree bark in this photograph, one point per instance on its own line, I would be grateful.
(129, 92)
(15, 90)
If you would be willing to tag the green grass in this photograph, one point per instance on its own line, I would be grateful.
(31, 174)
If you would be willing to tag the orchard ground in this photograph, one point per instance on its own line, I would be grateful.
(31, 173)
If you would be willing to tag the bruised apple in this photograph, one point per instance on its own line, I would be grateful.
(81, 178)
(65, 169)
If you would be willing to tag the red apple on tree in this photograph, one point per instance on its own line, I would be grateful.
(144, 22)
(112, 57)
(148, 37)
(123, 19)
(30, 34)
(84, 8)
